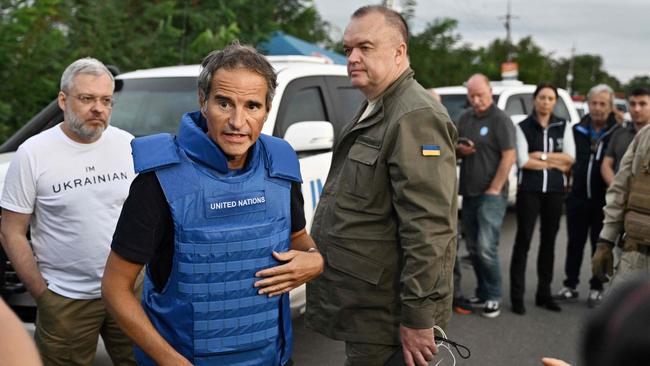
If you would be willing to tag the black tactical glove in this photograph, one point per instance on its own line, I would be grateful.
(602, 263)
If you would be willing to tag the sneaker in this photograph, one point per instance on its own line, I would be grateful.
(491, 309)
(461, 306)
(594, 299)
(476, 302)
(566, 293)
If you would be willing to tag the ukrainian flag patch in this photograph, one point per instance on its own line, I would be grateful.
(430, 150)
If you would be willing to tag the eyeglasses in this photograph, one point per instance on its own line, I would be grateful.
(87, 99)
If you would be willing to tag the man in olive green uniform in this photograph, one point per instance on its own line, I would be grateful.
(386, 220)
(627, 212)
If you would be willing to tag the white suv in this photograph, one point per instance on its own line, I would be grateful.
(516, 99)
(312, 102)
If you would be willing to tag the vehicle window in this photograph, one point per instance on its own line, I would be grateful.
(519, 104)
(349, 100)
(147, 106)
(527, 100)
(561, 110)
(302, 101)
(515, 105)
(523, 104)
(455, 104)
(346, 101)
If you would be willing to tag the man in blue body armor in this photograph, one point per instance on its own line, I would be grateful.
(216, 214)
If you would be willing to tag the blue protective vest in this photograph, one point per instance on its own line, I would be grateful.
(226, 225)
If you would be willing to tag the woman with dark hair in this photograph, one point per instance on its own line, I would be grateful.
(545, 153)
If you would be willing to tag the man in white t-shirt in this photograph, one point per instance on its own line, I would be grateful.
(67, 185)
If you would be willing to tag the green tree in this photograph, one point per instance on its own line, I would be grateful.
(39, 38)
(301, 19)
(129, 34)
(587, 72)
(436, 56)
(637, 82)
(534, 65)
(32, 36)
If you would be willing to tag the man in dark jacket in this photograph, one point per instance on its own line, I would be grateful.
(584, 205)
(639, 102)
(386, 221)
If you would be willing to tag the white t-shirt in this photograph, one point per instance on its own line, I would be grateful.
(75, 194)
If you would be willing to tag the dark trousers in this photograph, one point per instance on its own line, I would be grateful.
(584, 218)
(548, 206)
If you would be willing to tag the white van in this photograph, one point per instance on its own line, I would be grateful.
(312, 102)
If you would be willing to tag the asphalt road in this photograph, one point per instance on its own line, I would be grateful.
(509, 339)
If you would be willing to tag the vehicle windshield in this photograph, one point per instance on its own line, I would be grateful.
(153, 105)
(456, 104)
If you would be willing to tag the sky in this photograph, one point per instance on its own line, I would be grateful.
(617, 30)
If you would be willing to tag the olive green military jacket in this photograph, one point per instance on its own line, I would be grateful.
(617, 194)
(386, 221)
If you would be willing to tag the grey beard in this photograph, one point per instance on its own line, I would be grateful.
(76, 125)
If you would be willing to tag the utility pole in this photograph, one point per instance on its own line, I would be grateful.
(569, 75)
(509, 69)
(508, 18)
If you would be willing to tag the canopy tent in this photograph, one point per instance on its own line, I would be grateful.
(284, 44)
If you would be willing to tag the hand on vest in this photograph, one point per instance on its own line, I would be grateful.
(418, 345)
(299, 268)
(602, 263)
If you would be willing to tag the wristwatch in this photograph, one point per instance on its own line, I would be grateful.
(543, 157)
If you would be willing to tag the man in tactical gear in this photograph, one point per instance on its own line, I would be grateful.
(627, 214)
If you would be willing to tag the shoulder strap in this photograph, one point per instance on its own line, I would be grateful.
(173, 169)
(178, 180)
(281, 159)
(153, 152)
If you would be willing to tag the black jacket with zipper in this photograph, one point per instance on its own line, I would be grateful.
(587, 181)
(547, 140)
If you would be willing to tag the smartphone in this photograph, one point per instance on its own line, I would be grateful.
(465, 141)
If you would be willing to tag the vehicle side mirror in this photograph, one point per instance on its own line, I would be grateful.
(310, 135)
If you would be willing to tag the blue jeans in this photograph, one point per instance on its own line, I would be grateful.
(482, 217)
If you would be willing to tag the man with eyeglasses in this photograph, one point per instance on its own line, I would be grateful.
(67, 185)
